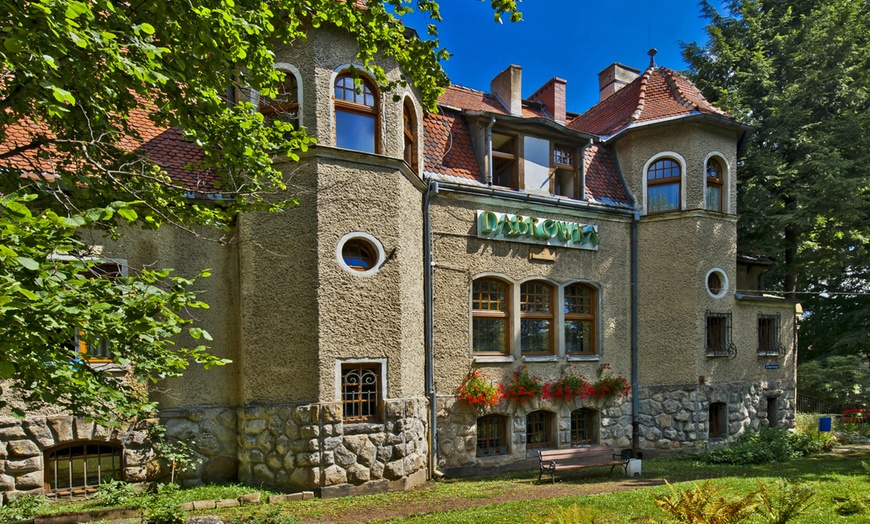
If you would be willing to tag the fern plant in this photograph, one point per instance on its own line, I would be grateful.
(783, 501)
(705, 504)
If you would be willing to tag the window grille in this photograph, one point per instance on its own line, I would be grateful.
(538, 430)
(769, 335)
(360, 384)
(718, 335)
(583, 427)
(80, 468)
(563, 156)
(491, 436)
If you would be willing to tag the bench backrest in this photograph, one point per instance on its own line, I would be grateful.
(591, 455)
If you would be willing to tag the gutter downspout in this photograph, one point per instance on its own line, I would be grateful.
(428, 327)
(489, 151)
(635, 397)
(583, 167)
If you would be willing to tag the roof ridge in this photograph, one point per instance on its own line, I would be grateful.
(675, 89)
(641, 97)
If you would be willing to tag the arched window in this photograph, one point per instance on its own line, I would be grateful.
(715, 178)
(356, 112)
(491, 435)
(536, 317)
(580, 319)
(410, 126)
(539, 430)
(80, 468)
(663, 180)
(584, 427)
(285, 104)
(490, 314)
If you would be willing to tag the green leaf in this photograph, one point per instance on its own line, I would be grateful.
(147, 28)
(7, 369)
(13, 45)
(17, 209)
(62, 95)
(29, 263)
(128, 214)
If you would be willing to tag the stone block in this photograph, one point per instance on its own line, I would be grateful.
(385, 453)
(331, 443)
(283, 444)
(357, 474)
(308, 459)
(289, 461)
(84, 430)
(309, 432)
(302, 415)
(62, 428)
(12, 433)
(303, 477)
(29, 481)
(203, 504)
(187, 506)
(344, 457)
(334, 475)
(38, 430)
(255, 427)
(327, 458)
(250, 498)
(219, 469)
(22, 448)
(377, 470)
(226, 503)
(274, 462)
(265, 442)
(307, 495)
(20, 467)
(288, 497)
(394, 470)
(7, 483)
(262, 473)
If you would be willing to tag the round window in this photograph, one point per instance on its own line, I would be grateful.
(360, 254)
(717, 283)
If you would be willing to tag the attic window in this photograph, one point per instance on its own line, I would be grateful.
(564, 172)
(285, 104)
(504, 161)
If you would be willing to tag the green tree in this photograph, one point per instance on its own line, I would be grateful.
(797, 72)
(74, 78)
(839, 380)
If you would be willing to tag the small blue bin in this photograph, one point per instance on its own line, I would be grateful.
(825, 424)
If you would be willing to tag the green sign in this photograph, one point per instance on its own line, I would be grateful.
(534, 230)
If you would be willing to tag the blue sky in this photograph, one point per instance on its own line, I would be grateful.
(571, 39)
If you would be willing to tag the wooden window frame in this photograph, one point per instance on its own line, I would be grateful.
(355, 107)
(583, 317)
(549, 315)
(539, 422)
(487, 444)
(584, 417)
(357, 403)
(274, 106)
(655, 181)
(769, 334)
(361, 245)
(715, 181)
(563, 163)
(505, 314)
(409, 125)
(52, 473)
(509, 156)
(717, 335)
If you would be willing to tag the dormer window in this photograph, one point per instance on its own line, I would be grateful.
(285, 104)
(356, 112)
(563, 171)
(714, 185)
(663, 186)
(504, 161)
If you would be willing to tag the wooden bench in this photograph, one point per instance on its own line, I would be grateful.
(577, 458)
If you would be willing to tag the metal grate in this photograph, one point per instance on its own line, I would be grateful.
(538, 430)
(359, 391)
(718, 335)
(582, 427)
(80, 468)
(769, 335)
(491, 436)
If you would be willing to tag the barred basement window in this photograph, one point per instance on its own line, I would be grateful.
(80, 468)
(360, 391)
(539, 431)
(718, 335)
(768, 335)
(491, 436)
(583, 427)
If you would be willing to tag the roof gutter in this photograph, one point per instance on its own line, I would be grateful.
(529, 122)
(489, 151)
(695, 116)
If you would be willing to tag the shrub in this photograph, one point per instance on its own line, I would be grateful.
(161, 507)
(705, 504)
(783, 501)
(116, 493)
(608, 386)
(521, 386)
(567, 387)
(478, 390)
(764, 447)
(21, 508)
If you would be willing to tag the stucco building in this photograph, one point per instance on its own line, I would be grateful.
(500, 232)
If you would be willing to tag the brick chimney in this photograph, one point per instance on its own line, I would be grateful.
(552, 95)
(507, 86)
(613, 78)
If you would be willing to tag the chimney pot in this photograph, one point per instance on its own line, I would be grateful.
(507, 86)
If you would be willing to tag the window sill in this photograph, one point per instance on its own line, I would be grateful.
(769, 354)
(108, 367)
(542, 358)
(583, 358)
(493, 359)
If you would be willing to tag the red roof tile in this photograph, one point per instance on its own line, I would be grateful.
(164, 146)
(657, 94)
(603, 183)
(474, 100)
(448, 148)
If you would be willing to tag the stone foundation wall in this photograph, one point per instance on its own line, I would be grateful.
(23, 445)
(212, 435)
(677, 417)
(308, 446)
(457, 429)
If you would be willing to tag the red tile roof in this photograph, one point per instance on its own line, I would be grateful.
(448, 148)
(474, 100)
(164, 146)
(657, 94)
(603, 183)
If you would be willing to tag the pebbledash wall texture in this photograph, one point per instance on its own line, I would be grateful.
(497, 235)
